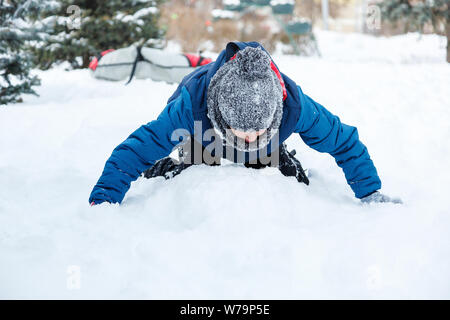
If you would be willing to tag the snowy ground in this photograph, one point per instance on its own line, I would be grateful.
(231, 232)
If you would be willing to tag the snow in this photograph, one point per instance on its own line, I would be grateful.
(231, 2)
(146, 11)
(228, 231)
(222, 14)
(137, 15)
(281, 2)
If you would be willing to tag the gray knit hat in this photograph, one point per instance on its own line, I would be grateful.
(245, 94)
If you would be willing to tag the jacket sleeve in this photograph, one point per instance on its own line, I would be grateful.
(145, 146)
(324, 132)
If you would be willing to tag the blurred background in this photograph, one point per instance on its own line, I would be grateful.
(43, 33)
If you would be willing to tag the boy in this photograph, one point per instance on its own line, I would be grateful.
(242, 108)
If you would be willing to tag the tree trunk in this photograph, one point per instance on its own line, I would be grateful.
(86, 60)
(447, 29)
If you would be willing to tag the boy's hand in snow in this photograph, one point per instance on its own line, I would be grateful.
(377, 197)
(98, 196)
(97, 202)
(290, 166)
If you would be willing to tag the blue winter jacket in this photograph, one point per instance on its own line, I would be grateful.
(317, 127)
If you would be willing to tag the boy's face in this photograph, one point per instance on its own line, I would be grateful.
(248, 136)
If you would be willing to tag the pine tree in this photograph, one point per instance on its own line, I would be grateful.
(15, 61)
(417, 14)
(83, 28)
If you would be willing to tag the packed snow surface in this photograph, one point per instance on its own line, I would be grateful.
(228, 231)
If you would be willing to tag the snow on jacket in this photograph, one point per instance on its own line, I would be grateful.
(317, 127)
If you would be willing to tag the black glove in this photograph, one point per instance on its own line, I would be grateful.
(290, 166)
(166, 168)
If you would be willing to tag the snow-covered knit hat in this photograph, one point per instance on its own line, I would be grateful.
(245, 94)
